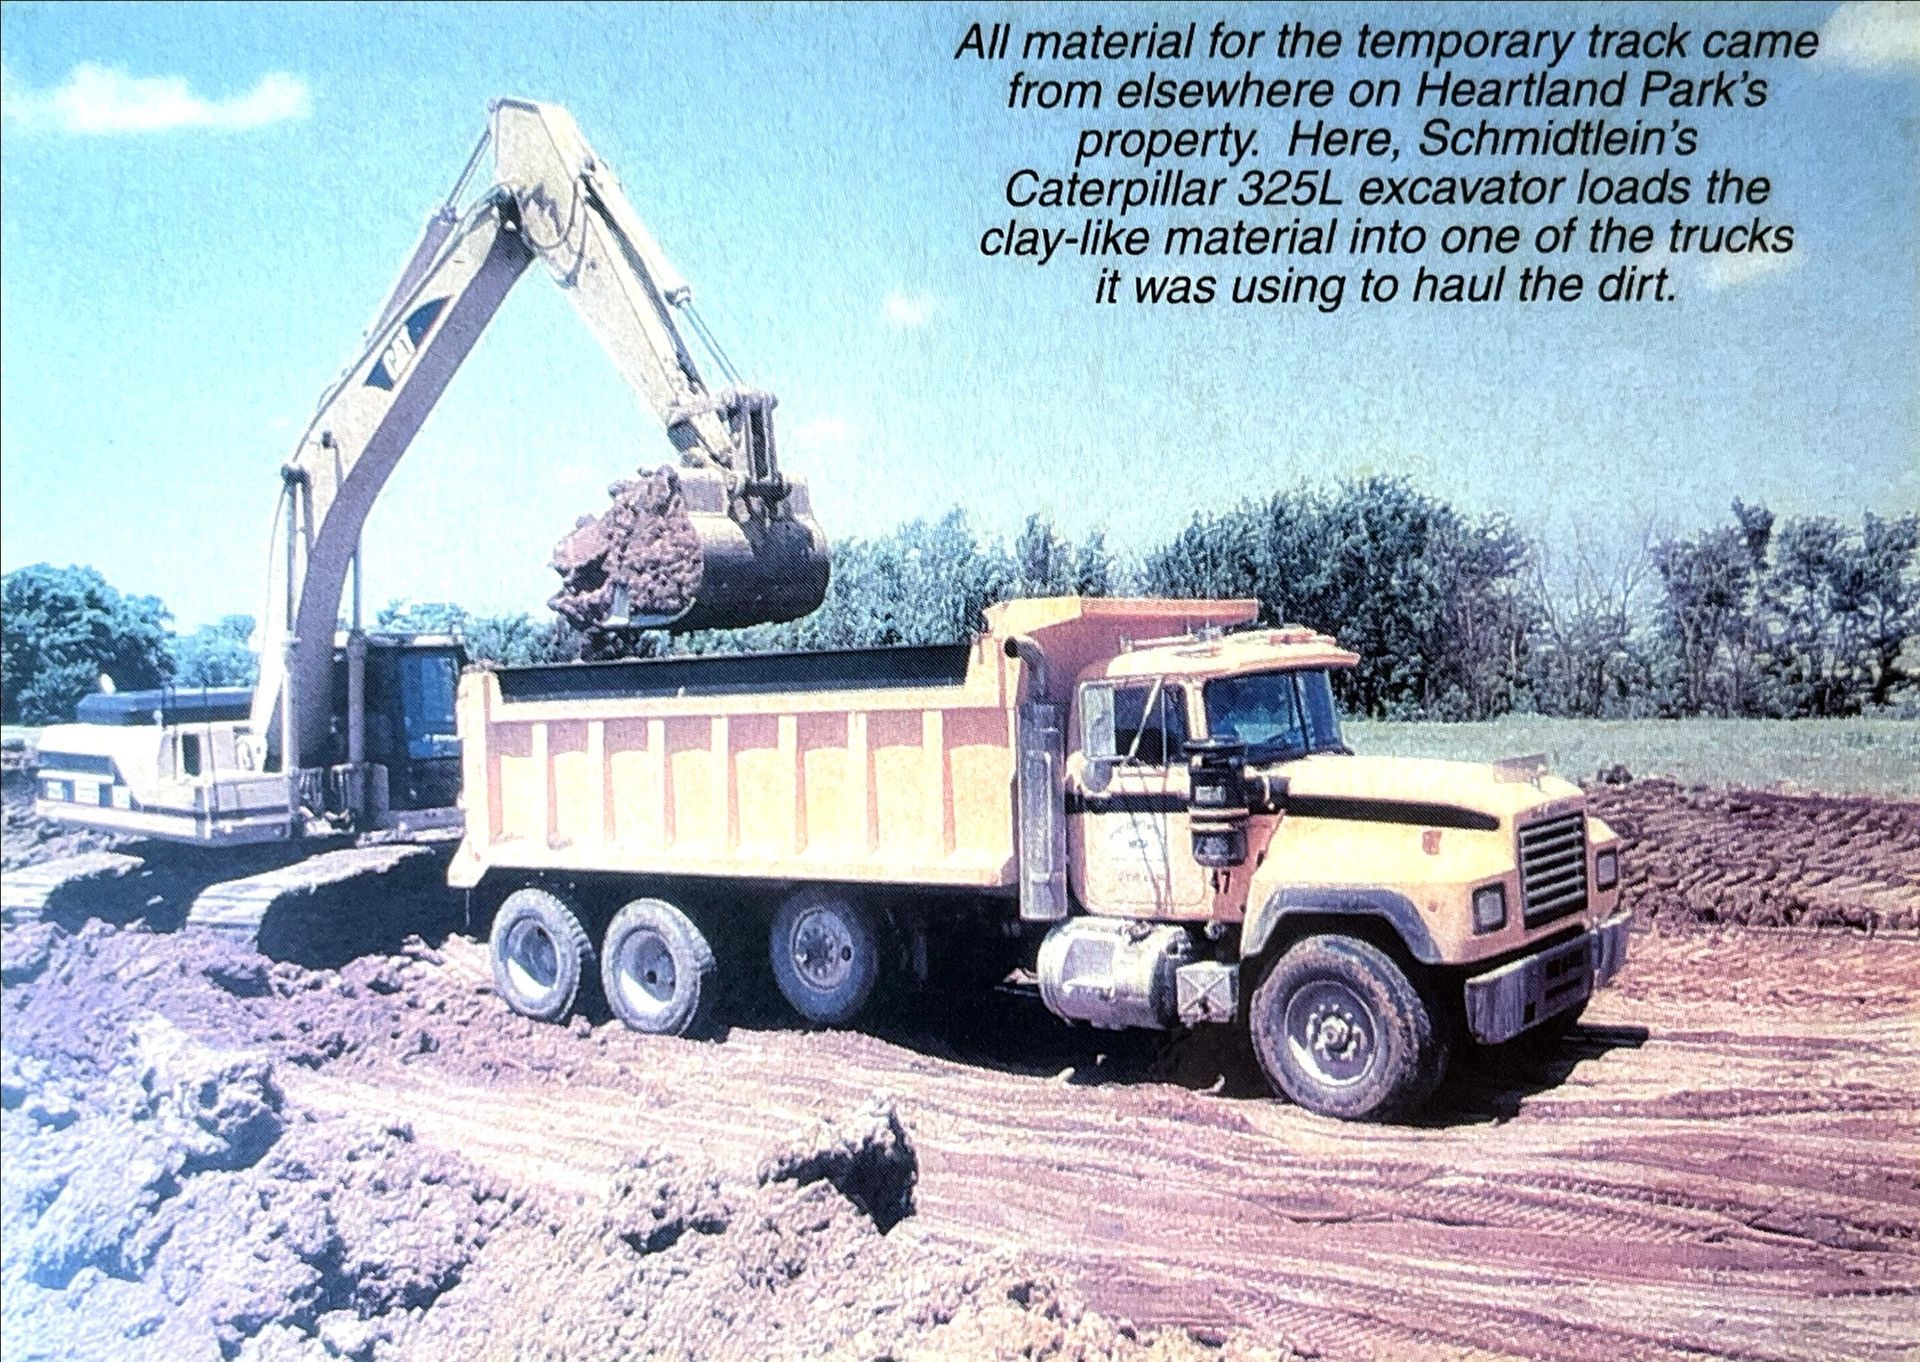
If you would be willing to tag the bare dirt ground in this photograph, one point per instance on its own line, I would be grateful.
(211, 1154)
(1767, 859)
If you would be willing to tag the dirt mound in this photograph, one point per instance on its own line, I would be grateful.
(644, 544)
(1705, 855)
(166, 1192)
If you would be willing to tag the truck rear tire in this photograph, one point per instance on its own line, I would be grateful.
(540, 954)
(657, 969)
(1339, 1028)
(825, 951)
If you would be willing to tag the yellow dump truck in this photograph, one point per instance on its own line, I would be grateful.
(1147, 804)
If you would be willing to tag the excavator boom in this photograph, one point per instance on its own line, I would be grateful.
(744, 547)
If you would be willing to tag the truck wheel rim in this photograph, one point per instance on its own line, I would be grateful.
(644, 973)
(822, 949)
(533, 962)
(1331, 1032)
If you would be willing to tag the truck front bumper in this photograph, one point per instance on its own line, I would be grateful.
(1516, 997)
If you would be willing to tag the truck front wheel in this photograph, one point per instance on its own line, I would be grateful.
(1339, 1028)
(657, 969)
(540, 954)
(825, 951)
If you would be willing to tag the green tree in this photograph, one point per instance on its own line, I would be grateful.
(1706, 612)
(515, 640)
(62, 629)
(1834, 611)
(215, 654)
(1890, 604)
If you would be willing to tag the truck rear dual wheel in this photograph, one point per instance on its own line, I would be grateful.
(825, 951)
(540, 954)
(1339, 1028)
(658, 970)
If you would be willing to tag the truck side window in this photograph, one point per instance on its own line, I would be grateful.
(1161, 733)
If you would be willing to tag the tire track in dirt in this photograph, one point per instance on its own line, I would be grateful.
(1716, 1190)
(1766, 858)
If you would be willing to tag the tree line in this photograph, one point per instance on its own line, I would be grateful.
(1454, 615)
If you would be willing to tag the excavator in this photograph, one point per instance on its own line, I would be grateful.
(349, 732)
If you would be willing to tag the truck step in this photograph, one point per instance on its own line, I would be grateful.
(237, 908)
(26, 891)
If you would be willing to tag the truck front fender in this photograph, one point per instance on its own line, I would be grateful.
(1339, 901)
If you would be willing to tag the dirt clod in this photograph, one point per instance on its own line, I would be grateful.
(866, 1156)
(644, 543)
(1765, 859)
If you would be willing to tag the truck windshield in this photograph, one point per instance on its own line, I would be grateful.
(1276, 714)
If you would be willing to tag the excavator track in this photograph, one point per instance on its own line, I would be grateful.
(267, 900)
(27, 891)
(237, 909)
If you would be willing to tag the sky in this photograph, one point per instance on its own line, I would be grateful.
(202, 207)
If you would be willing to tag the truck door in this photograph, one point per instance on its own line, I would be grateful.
(1128, 803)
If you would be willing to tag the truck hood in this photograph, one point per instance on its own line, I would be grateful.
(1415, 790)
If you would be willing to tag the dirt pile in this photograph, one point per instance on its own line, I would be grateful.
(1752, 858)
(644, 544)
(167, 1193)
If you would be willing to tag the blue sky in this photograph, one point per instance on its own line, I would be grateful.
(200, 209)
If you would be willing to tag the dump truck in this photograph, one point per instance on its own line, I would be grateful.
(1145, 806)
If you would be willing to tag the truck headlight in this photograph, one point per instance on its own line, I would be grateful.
(1489, 908)
(1606, 869)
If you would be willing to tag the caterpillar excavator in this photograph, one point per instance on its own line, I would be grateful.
(349, 733)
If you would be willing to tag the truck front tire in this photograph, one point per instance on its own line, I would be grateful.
(1339, 1028)
(825, 950)
(657, 969)
(540, 954)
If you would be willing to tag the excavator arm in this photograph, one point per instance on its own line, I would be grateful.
(761, 557)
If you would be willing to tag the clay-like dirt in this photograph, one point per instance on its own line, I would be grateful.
(1762, 859)
(212, 1154)
(644, 542)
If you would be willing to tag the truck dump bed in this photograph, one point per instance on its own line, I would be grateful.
(888, 764)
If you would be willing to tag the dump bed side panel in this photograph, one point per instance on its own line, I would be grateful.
(767, 768)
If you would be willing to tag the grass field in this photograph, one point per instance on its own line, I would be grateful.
(1840, 756)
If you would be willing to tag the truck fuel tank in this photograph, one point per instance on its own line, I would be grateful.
(1114, 973)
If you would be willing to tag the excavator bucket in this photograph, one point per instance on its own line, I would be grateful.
(754, 570)
(673, 552)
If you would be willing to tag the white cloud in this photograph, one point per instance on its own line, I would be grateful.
(1731, 271)
(1873, 35)
(105, 101)
(908, 310)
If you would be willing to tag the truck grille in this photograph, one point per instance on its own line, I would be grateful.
(1553, 869)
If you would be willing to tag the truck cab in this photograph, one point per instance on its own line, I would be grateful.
(1207, 785)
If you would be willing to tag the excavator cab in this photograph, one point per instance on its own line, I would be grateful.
(407, 710)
